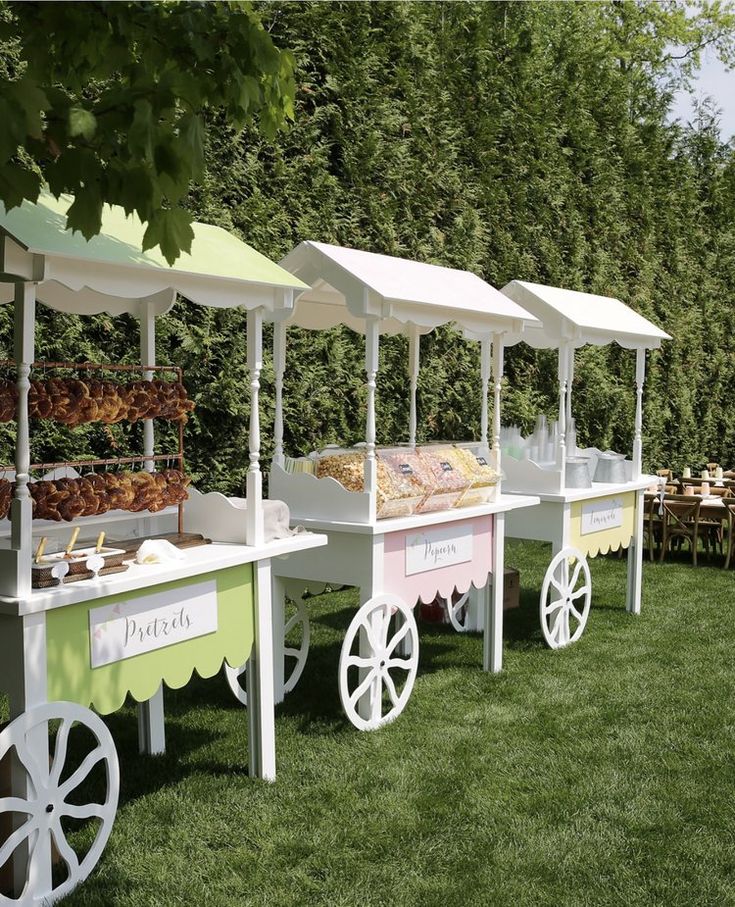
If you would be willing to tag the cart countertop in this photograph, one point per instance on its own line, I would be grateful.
(598, 490)
(204, 559)
(504, 503)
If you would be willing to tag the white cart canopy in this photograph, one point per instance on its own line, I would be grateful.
(348, 286)
(579, 318)
(111, 274)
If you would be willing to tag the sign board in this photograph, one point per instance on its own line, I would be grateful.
(431, 549)
(140, 625)
(597, 516)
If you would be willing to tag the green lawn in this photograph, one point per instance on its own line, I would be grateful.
(604, 774)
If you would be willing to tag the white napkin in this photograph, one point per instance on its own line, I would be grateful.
(158, 551)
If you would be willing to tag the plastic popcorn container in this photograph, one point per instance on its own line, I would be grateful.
(404, 481)
(450, 482)
(482, 477)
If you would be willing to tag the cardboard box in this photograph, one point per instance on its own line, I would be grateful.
(511, 589)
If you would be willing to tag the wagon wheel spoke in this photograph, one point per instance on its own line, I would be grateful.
(16, 839)
(577, 615)
(90, 761)
(391, 687)
(15, 805)
(31, 767)
(89, 811)
(579, 593)
(575, 575)
(557, 585)
(291, 623)
(403, 664)
(66, 851)
(360, 661)
(361, 688)
(399, 635)
(62, 742)
(291, 652)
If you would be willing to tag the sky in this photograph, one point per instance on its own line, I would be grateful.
(713, 81)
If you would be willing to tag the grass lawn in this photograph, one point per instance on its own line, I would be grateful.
(604, 774)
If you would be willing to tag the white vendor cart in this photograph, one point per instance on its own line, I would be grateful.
(395, 557)
(95, 633)
(591, 501)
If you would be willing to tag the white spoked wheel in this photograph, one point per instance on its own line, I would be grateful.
(375, 682)
(39, 814)
(296, 639)
(458, 612)
(565, 598)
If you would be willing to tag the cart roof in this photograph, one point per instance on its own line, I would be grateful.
(110, 272)
(580, 318)
(348, 286)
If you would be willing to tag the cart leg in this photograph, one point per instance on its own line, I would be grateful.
(635, 560)
(279, 639)
(23, 671)
(151, 725)
(475, 622)
(405, 646)
(368, 707)
(492, 656)
(261, 707)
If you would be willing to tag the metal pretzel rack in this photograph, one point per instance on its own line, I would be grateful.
(63, 468)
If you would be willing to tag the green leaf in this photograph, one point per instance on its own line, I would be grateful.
(191, 131)
(169, 228)
(82, 122)
(32, 100)
(17, 184)
(85, 213)
(141, 137)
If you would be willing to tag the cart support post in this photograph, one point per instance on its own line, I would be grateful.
(570, 382)
(640, 375)
(15, 565)
(414, 348)
(152, 725)
(485, 370)
(261, 717)
(279, 370)
(492, 654)
(635, 560)
(254, 529)
(498, 355)
(561, 453)
(372, 340)
(148, 357)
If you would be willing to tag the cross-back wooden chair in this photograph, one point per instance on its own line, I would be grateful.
(652, 521)
(680, 522)
(729, 503)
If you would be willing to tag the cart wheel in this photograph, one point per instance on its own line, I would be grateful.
(48, 792)
(372, 696)
(559, 594)
(458, 612)
(295, 650)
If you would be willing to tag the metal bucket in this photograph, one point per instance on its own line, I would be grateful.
(610, 468)
(577, 473)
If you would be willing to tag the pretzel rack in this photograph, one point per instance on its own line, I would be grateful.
(147, 459)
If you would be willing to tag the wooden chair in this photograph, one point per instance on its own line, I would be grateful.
(652, 522)
(711, 467)
(680, 522)
(729, 503)
(667, 474)
(712, 531)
